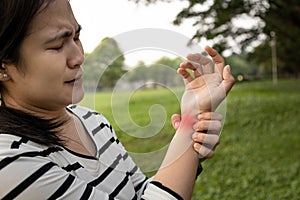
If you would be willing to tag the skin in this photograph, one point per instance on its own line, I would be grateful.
(42, 83)
(202, 95)
(207, 121)
(38, 83)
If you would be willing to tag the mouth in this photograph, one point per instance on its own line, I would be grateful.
(78, 78)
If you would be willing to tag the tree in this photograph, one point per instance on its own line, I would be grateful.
(242, 67)
(165, 71)
(219, 22)
(139, 73)
(162, 73)
(105, 65)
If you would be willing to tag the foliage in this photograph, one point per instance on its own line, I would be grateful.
(105, 65)
(258, 157)
(217, 20)
(240, 66)
(164, 71)
(161, 73)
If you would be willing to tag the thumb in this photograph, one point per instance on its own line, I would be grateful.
(176, 119)
(229, 80)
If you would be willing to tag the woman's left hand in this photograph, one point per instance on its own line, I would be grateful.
(207, 130)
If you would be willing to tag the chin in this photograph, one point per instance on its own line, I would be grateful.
(77, 96)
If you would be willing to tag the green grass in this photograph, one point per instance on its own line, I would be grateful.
(259, 153)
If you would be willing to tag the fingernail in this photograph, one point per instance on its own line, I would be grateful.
(200, 116)
(195, 136)
(228, 68)
(197, 146)
(195, 127)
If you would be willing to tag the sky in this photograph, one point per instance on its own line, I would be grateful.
(131, 25)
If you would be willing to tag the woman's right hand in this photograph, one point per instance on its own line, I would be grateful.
(207, 132)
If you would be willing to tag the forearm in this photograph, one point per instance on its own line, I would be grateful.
(178, 170)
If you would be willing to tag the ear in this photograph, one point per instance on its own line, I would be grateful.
(3, 73)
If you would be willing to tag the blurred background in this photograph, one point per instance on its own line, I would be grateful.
(259, 154)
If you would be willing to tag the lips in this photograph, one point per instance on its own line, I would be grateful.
(75, 79)
(71, 81)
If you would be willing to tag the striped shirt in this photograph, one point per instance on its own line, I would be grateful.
(32, 171)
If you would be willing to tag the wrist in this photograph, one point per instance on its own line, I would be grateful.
(187, 122)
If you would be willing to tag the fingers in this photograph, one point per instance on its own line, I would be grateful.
(198, 64)
(176, 119)
(213, 127)
(204, 152)
(183, 71)
(228, 79)
(225, 85)
(224, 72)
(210, 122)
(210, 116)
(217, 58)
(185, 74)
(204, 64)
(206, 142)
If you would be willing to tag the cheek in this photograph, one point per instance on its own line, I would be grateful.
(44, 83)
(48, 70)
(47, 78)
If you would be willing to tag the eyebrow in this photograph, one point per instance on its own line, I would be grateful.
(63, 35)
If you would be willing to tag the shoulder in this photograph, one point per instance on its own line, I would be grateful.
(14, 143)
(84, 113)
(16, 147)
(32, 171)
(92, 120)
(81, 110)
(17, 152)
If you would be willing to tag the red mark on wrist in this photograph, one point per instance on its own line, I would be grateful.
(187, 121)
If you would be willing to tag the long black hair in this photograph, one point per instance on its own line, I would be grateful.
(15, 19)
(19, 123)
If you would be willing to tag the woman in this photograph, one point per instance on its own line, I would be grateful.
(50, 150)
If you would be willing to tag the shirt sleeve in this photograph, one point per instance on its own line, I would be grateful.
(157, 191)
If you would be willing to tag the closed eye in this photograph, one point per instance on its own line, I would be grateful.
(57, 48)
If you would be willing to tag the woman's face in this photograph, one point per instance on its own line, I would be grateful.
(50, 72)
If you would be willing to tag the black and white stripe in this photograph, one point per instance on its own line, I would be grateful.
(28, 181)
(60, 173)
(17, 144)
(8, 160)
(63, 188)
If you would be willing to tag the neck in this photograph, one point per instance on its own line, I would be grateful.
(56, 112)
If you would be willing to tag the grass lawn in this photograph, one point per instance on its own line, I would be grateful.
(259, 154)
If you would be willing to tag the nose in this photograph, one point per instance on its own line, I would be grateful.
(76, 55)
